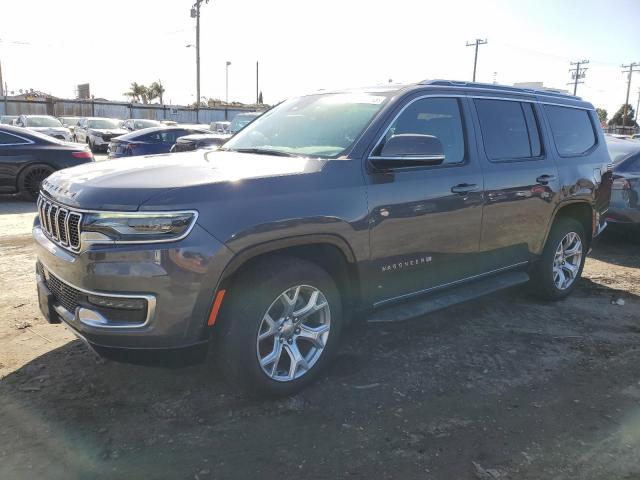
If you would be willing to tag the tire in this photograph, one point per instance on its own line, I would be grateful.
(30, 179)
(547, 274)
(259, 291)
(91, 145)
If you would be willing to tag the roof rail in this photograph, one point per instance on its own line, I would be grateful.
(504, 88)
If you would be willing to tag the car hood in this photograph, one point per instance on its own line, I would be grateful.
(49, 129)
(125, 184)
(109, 131)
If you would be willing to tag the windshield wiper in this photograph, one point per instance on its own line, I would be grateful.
(261, 151)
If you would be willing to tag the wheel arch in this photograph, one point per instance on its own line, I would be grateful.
(330, 252)
(579, 210)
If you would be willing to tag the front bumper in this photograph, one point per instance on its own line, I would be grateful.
(144, 296)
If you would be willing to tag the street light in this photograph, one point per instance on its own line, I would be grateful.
(226, 98)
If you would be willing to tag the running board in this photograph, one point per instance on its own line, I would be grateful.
(440, 299)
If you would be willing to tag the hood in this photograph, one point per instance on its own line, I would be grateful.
(49, 129)
(126, 183)
(109, 131)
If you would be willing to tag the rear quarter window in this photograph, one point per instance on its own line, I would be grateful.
(572, 130)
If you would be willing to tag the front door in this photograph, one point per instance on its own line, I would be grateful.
(425, 221)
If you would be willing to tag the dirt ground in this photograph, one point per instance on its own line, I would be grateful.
(501, 388)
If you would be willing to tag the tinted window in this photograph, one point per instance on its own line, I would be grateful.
(572, 129)
(509, 129)
(8, 139)
(439, 117)
(169, 136)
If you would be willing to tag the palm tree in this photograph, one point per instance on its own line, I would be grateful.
(156, 90)
(138, 92)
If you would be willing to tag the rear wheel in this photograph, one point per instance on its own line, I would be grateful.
(556, 273)
(31, 178)
(281, 328)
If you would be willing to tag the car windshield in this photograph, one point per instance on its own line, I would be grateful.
(43, 122)
(69, 120)
(103, 123)
(146, 123)
(318, 125)
(7, 119)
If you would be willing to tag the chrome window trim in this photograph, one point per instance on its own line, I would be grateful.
(409, 157)
(529, 100)
(151, 304)
(26, 140)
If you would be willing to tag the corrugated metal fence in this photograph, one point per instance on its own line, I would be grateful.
(88, 108)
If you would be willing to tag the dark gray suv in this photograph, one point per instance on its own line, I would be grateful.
(380, 203)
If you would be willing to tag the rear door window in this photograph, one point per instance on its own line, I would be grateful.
(572, 130)
(8, 139)
(509, 130)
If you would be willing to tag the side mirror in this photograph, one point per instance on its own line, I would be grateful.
(409, 150)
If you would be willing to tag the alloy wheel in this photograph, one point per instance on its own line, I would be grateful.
(293, 333)
(34, 178)
(567, 261)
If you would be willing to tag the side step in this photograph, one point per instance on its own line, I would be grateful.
(444, 298)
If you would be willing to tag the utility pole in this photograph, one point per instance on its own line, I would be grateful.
(195, 13)
(257, 83)
(2, 93)
(629, 72)
(638, 106)
(476, 44)
(577, 74)
(226, 84)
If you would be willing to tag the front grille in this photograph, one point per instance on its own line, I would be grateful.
(65, 295)
(60, 224)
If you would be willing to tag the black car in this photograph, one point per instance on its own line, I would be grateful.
(198, 141)
(28, 157)
(624, 211)
(331, 208)
(150, 140)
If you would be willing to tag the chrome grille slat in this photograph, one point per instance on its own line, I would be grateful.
(60, 224)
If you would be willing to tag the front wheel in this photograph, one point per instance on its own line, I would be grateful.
(281, 328)
(556, 273)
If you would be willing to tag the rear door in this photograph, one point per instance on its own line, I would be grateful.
(425, 221)
(521, 180)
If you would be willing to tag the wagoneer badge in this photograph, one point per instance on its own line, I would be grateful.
(406, 264)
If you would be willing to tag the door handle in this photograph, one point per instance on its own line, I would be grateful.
(544, 179)
(464, 188)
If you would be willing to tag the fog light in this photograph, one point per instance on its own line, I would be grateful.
(115, 302)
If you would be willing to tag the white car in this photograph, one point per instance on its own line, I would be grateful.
(45, 124)
(97, 132)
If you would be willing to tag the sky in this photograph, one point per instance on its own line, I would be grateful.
(307, 45)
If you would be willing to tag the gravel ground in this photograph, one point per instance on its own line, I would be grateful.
(505, 387)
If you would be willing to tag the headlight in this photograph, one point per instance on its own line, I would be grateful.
(137, 227)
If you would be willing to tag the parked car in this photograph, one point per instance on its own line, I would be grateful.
(139, 123)
(69, 122)
(45, 124)
(198, 141)
(624, 211)
(150, 140)
(389, 202)
(170, 123)
(28, 157)
(8, 119)
(241, 120)
(220, 127)
(97, 132)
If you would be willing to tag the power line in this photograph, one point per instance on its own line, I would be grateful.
(476, 44)
(629, 73)
(577, 74)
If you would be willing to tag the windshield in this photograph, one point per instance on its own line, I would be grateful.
(7, 119)
(239, 121)
(69, 120)
(103, 123)
(43, 122)
(318, 125)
